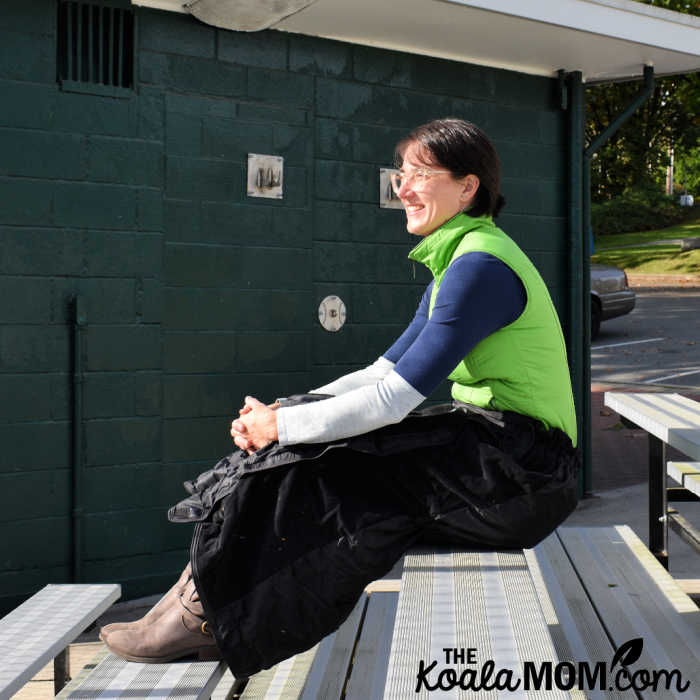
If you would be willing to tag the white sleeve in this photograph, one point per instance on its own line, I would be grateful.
(369, 375)
(352, 413)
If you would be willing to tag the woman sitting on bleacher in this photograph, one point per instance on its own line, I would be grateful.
(330, 488)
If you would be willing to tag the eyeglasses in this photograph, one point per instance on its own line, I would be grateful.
(419, 177)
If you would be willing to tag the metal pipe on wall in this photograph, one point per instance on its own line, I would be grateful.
(576, 106)
(79, 317)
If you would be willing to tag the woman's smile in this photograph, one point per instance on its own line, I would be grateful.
(434, 198)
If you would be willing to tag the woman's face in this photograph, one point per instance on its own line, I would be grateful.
(434, 201)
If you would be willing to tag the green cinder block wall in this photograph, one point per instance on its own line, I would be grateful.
(195, 293)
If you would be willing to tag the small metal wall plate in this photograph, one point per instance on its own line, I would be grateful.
(265, 175)
(332, 313)
(387, 198)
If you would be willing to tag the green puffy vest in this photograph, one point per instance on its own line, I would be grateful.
(521, 367)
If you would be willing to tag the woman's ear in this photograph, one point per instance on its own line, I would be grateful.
(470, 186)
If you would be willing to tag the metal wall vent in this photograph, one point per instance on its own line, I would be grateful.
(95, 47)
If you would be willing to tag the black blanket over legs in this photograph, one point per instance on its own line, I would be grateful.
(288, 537)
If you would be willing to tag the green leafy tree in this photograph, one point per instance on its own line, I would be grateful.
(637, 155)
(689, 7)
(688, 171)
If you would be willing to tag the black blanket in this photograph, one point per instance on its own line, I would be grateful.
(288, 537)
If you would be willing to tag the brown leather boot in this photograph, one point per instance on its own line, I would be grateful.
(156, 611)
(180, 631)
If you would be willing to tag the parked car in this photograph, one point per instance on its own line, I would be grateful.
(610, 295)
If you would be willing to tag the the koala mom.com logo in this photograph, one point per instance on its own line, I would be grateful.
(463, 669)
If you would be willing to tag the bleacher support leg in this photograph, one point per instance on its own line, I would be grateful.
(61, 670)
(658, 504)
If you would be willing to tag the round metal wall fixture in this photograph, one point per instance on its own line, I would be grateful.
(331, 313)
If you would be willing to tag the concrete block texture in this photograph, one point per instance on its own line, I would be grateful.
(536, 233)
(142, 574)
(122, 441)
(200, 105)
(32, 153)
(19, 16)
(31, 397)
(334, 139)
(229, 352)
(197, 438)
(149, 301)
(38, 348)
(34, 446)
(89, 205)
(245, 224)
(535, 197)
(72, 253)
(172, 32)
(195, 293)
(320, 56)
(183, 134)
(106, 300)
(51, 499)
(93, 114)
(119, 348)
(346, 181)
(45, 543)
(207, 395)
(353, 346)
(362, 262)
(372, 305)
(26, 202)
(195, 352)
(286, 351)
(238, 267)
(271, 113)
(370, 224)
(122, 254)
(189, 74)
(26, 105)
(40, 251)
(151, 111)
(125, 161)
(532, 161)
(374, 104)
(280, 87)
(266, 49)
(547, 264)
(27, 55)
(236, 309)
(25, 300)
(122, 394)
(423, 73)
(225, 138)
(123, 533)
(149, 209)
(212, 179)
(375, 144)
(122, 487)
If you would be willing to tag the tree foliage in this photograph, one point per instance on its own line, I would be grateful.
(637, 155)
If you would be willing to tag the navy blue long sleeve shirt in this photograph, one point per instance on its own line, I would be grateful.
(479, 295)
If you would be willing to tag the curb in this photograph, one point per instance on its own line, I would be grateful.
(687, 281)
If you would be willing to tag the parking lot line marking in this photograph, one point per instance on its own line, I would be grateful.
(629, 342)
(673, 376)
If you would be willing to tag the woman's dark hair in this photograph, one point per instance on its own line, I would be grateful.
(462, 148)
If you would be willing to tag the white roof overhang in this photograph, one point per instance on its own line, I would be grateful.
(607, 40)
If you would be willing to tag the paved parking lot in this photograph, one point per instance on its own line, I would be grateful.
(657, 346)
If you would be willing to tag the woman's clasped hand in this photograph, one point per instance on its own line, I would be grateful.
(256, 425)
